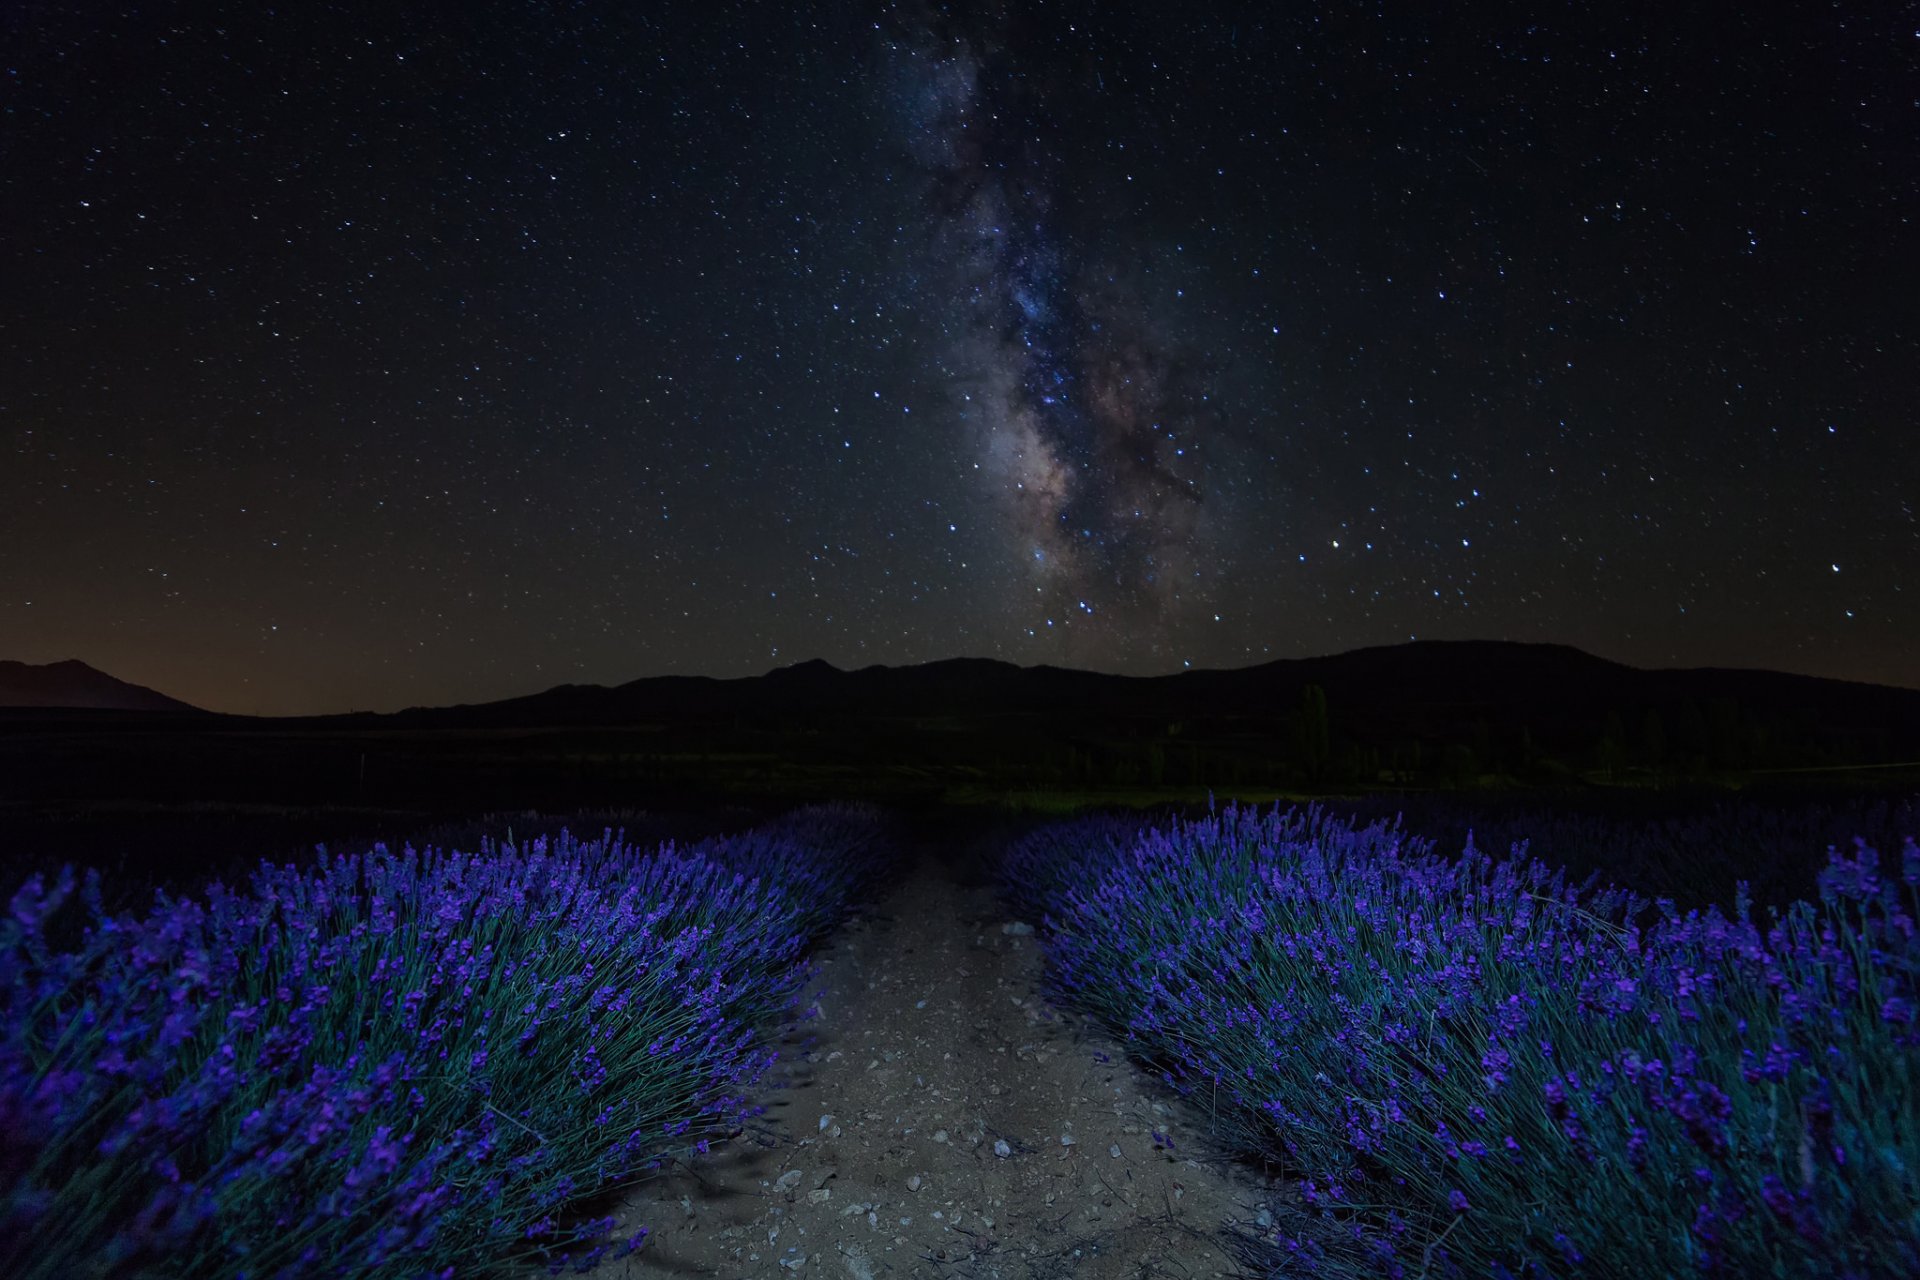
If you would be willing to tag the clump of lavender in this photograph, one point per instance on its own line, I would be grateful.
(1694, 848)
(393, 1064)
(1037, 870)
(1473, 1067)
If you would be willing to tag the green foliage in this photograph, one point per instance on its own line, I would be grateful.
(1473, 1068)
(392, 1064)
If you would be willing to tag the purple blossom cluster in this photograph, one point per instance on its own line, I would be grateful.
(1690, 846)
(408, 1063)
(1470, 1066)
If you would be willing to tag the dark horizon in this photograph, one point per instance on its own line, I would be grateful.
(263, 702)
(406, 361)
(1398, 654)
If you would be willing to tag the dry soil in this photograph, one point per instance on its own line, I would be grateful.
(941, 1119)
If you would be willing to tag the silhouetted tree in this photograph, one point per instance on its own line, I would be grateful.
(1690, 739)
(1312, 742)
(1653, 739)
(1610, 754)
(1460, 766)
(1728, 730)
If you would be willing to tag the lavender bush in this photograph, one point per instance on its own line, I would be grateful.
(1037, 871)
(1694, 846)
(1473, 1067)
(393, 1064)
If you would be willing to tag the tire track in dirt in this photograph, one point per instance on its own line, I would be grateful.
(943, 1121)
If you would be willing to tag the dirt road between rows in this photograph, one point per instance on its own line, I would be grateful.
(942, 1120)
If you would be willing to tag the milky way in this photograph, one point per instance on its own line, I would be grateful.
(374, 360)
(1088, 417)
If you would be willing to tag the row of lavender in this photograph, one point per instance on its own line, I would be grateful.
(1471, 1067)
(1694, 847)
(394, 1064)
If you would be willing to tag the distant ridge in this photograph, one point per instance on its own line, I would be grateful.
(73, 683)
(1436, 691)
(1422, 688)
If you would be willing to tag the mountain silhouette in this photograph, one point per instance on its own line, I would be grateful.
(1423, 688)
(73, 683)
(1436, 690)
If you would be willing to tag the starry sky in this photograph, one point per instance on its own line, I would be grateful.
(370, 356)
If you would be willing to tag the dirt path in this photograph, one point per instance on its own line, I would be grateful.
(944, 1121)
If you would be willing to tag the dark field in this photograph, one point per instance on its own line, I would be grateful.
(154, 796)
(829, 815)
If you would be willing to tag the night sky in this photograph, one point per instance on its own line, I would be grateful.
(367, 356)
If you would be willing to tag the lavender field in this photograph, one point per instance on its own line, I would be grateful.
(1434, 1058)
(414, 1063)
(1466, 1065)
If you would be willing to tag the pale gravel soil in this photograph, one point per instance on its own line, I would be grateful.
(931, 1046)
